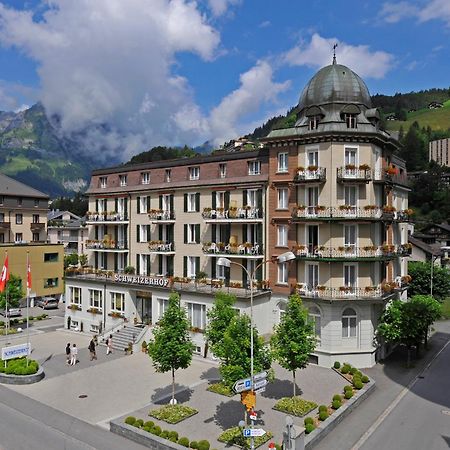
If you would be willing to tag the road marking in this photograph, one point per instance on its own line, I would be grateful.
(395, 402)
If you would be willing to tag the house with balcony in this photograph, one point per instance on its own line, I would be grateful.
(64, 227)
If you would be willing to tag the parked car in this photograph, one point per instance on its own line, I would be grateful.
(12, 312)
(48, 303)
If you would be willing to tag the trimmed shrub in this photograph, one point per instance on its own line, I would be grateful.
(358, 384)
(308, 420)
(149, 424)
(323, 415)
(348, 394)
(323, 408)
(309, 427)
(173, 434)
(164, 434)
(358, 373)
(139, 423)
(184, 441)
(194, 444)
(348, 388)
(203, 445)
(147, 429)
(353, 370)
(337, 365)
(336, 404)
(365, 379)
(156, 430)
(130, 420)
(345, 369)
(337, 397)
(173, 439)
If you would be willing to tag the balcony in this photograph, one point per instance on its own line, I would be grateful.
(368, 253)
(312, 174)
(106, 217)
(161, 247)
(5, 225)
(404, 215)
(37, 227)
(380, 292)
(344, 212)
(161, 216)
(352, 174)
(391, 176)
(107, 245)
(245, 214)
(246, 250)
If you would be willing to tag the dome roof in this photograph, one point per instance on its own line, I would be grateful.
(335, 83)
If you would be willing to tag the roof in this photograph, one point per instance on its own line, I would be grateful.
(427, 248)
(56, 214)
(442, 226)
(11, 187)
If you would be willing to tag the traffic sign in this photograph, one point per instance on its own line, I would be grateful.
(272, 445)
(253, 432)
(260, 376)
(248, 398)
(242, 385)
(260, 390)
(253, 415)
(259, 384)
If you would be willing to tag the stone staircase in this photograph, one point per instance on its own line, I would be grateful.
(122, 337)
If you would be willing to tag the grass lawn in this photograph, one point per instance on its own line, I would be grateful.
(295, 406)
(173, 413)
(233, 436)
(446, 308)
(220, 388)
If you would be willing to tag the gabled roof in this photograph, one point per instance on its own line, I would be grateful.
(11, 187)
(433, 249)
(442, 226)
(56, 214)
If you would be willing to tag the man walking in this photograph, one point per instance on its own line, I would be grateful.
(68, 353)
(73, 354)
(92, 349)
(109, 345)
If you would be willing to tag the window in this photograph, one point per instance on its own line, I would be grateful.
(192, 264)
(191, 234)
(123, 180)
(254, 167)
(350, 196)
(168, 175)
(192, 202)
(252, 198)
(35, 237)
(2, 199)
(282, 198)
(2, 237)
(163, 305)
(75, 295)
(143, 204)
(103, 182)
(117, 301)
(35, 218)
(194, 173)
(36, 202)
(50, 257)
(283, 162)
(314, 317)
(51, 282)
(351, 156)
(2, 217)
(18, 237)
(350, 120)
(282, 273)
(282, 235)
(19, 201)
(95, 298)
(349, 318)
(313, 122)
(350, 275)
(19, 219)
(145, 178)
(312, 275)
(143, 233)
(313, 158)
(312, 196)
(222, 170)
(350, 233)
(196, 315)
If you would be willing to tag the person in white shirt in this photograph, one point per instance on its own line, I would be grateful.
(73, 354)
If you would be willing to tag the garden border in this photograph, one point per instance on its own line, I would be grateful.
(22, 379)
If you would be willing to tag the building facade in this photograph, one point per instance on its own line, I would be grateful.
(66, 228)
(329, 189)
(439, 151)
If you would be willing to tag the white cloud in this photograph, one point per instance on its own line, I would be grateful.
(318, 53)
(435, 9)
(13, 96)
(394, 12)
(265, 24)
(108, 64)
(220, 7)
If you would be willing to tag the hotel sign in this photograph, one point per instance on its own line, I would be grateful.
(141, 281)
(15, 351)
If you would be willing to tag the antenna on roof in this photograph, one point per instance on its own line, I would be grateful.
(334, 53)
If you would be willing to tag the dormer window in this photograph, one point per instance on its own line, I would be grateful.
(194, 173)
(313, 122)
(314, 115)
(350, 120)
(168, 175)
(103, 182)
(123, 180)
(349, 114)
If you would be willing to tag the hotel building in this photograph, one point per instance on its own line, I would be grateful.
(329, 189)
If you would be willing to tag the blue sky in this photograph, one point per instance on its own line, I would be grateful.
(176, 71)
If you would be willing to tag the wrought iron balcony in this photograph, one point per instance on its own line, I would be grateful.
(343, 212)
(379, 292)
(352, 174)
(241, 214)
(107, 245)
(106, 217)
(244, 250)
(310, 174)
(163, 247)
(161, 215)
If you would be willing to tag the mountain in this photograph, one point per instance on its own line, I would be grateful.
(34, 151)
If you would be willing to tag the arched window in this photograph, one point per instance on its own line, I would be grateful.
(349, 321)
(314, 317)
(349, 114)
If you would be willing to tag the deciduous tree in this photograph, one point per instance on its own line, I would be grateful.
(14, 291)
(421, 276)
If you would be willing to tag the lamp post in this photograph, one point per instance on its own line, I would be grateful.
(225, 262)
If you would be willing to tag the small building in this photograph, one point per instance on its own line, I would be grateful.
(435, 105)
(438, 151)
(391, 117)
(68, 229)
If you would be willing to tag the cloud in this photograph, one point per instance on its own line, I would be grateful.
(108, 65)
(265, 24)
(318, 53)
(14, 95)
(220, 7)
(435, 9)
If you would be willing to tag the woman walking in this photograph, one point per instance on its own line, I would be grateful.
(68, 353)
(73, 355)
(92, 349)
(109, 345)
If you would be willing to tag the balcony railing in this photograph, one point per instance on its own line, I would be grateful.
(5, 225)
(161, 247)
(161, 215)
(354, 174)
(347, 252)
(106, 245)
(391, 177)
(240, 214)
(37, 226)
(106, 217)
(245, 249)
(341, 212)
(404, 215)
(311, 173)
(343, 292)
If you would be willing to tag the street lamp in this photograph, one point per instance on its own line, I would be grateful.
(225, 262)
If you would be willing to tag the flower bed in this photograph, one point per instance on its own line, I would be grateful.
(173, 413)
(234, 436)
(18, 366)
(220, 388)
(295, 406)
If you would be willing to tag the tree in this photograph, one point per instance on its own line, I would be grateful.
(171, 348)
(219, 318)
(70, 260)
(83, 259)
(14, 291)
(421, 277)
(431, 310)
(294, 339)
(235, 359)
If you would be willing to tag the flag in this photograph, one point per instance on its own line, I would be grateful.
(28, 275)
(4, 277)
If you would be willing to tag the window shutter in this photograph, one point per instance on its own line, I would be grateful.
(125, 207)
(197, 265)
(160, 233)
(185, 266)
(244, 233)
(96, 233)
(116, 262)
(259, 233)
(96, 260)
(138, 263)
(170, 233)
(116, 234)
(171, 202)
(259, 273)
(244, 197)
(138, 205)
(148, 265)
(244, 278)
(185, 233)
(96, 205)
(213, 232)
(226, 273)
(185, 202)
(160, 265)
(213, 200)
(148, 232)
(213, 267)
(170, 265)
(227, 233)
(227, 200)
(197, 201)
(197, 233)
(138, 234)
(259, 200)
(160, 201)
(148, 203)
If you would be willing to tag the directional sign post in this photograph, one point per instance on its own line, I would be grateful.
(253, 432)
(242, 385)
(260, 384)
(260, 376)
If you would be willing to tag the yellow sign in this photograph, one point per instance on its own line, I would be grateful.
(248, 399)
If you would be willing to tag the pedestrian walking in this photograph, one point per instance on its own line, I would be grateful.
(68, 353)
(109, 345)
(92, 349)
(73, 354)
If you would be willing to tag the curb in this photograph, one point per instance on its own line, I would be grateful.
(22, 379)
(331, 423)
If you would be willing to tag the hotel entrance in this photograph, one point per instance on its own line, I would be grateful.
(144, 306)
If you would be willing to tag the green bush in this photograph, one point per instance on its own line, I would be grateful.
(295, 406)
(173, 434)
(203, 445)
(184, 441)
(149, 424)
(172, 439)
(345, 369)
(156, 430)
(337, 365)
(164, 434)
(323, 415)
(353, 370)
(358, 373)
(323, 408)
(18, 366)
(308, 420)
(336, 404)
(365, 379)
(139, 423)
(348, 388)
(147, 429)
(309, 427)
(194, 444)
(130, 420)
(358, 384)
(337, 397)
(173, 413)
(348, 394)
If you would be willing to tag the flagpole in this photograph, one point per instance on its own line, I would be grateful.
(28, 301)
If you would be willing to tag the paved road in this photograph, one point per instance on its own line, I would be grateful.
(391, 379)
